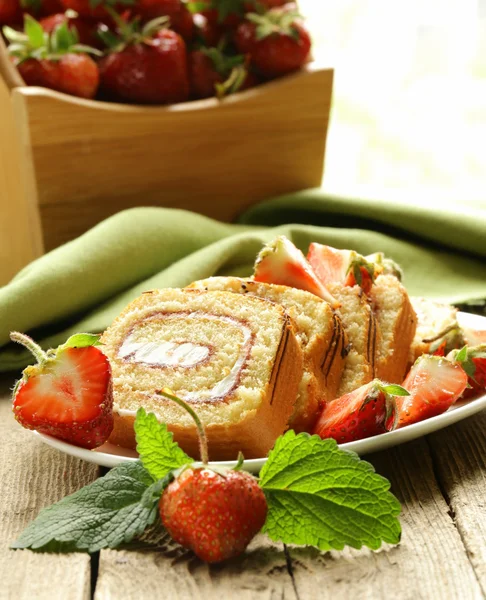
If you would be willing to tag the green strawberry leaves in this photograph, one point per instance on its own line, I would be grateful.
(322, 496)
(105, 514)
(158, 452)
(81, 340)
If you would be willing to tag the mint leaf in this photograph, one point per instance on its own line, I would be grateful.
(322, 496)
(158, 452)
(82, 340)
(108, 512)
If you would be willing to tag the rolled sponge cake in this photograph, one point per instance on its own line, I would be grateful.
(320, 332)
(236, 360)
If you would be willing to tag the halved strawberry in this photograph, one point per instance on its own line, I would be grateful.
(362, 413)
(282, 263)
(473, 361)
(434, 383)
(344, 266)
(68, 393)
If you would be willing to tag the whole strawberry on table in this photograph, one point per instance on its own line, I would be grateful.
(155, 51)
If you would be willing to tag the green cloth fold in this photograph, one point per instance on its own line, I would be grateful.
(84, 284)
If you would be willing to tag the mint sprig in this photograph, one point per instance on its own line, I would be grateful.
(105, 514)
(322, 496)
(158, 452)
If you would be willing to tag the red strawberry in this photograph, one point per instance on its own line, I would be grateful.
(56, 61)
(211, 73)
(214, 512)
(362, 413)
(96, 9)
(277, 43)
(68, 393)
(434, 383)
(473, 361)
(280, 262)
(344, 266)
(180, 18)
(10, 12)
(207, 32)
(147, 67)
(85, 28)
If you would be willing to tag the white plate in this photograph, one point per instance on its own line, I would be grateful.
(110, 456)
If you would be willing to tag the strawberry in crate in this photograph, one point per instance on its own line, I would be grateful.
(55, 61)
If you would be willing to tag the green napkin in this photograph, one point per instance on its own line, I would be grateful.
(83, 285)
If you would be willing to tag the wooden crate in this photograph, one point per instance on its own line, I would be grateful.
(66, 163)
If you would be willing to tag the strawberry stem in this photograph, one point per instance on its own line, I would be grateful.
(28, 342)
(203, 440)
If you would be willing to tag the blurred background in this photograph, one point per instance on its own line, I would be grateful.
(409, 113)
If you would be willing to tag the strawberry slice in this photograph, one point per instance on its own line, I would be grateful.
(282, 263)
(348, 267)
(362, 413)
(473, 361)
(68, 393)
(434, 383)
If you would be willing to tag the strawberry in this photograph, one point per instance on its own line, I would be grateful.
(473, 361)
(10, 12)
(68, 393)
(212, 73)
(207, 32)
(151, 9)
(434, 383)
(147, 66)
(362, 413)
(344, 266)
(282, 263)
(276, 41)
(215, 512)
(54, 61)
(97, 9)
(474, 337)
(85, 28)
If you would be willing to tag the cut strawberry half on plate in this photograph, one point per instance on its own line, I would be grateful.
(282, 263)
(434, 383)
(362, 413)
(473, 361)
(341, 266)
(68, 393)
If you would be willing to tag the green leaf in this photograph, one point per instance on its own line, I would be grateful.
(395, 390)
(322, 496)
(461, 355)
(158, 452)
(82, 340)
(110, 511)
(196, 7)
(34, 31)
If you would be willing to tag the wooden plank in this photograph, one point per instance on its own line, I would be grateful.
(33, 476)
(178, 575)
(430, 561)
(459, 455)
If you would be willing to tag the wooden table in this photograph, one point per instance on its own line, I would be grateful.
(440, 481)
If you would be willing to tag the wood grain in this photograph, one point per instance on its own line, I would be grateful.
(459, 454)
(82, 161)
(170, 573)
(33, 476)
(20, 227)
(430, 561)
